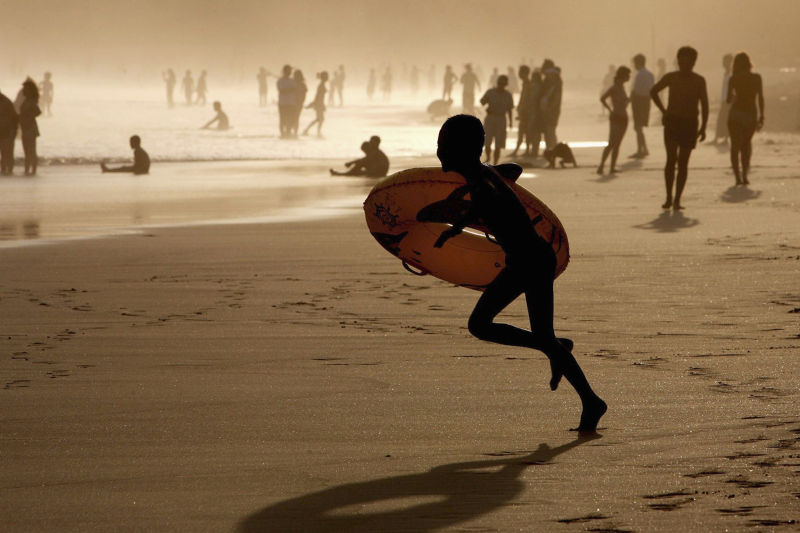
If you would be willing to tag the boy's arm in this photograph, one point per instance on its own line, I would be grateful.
(703, 109)
(657, 88)
(465, 221)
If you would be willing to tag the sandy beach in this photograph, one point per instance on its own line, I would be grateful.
(291, 376)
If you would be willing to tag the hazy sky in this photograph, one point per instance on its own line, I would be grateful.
(143, 36)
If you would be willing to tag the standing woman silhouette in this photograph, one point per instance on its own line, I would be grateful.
(744, 90)
(318, 104)
(617, 117)
(27, 121)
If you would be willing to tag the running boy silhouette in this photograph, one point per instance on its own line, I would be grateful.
(530, 262)
(686, 90)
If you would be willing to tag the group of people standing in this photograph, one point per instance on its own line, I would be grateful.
(742, 113)
(20, 116)
(538, 108)
(292, 92)
(194, 92)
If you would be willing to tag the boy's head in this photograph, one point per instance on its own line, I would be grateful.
(217, 106)
(366, 147)
(638, 61)
(687, 57)
(460, 142)
(524, 70)
(287, 71)
(135, 141)
(375, 141)
(502, 81)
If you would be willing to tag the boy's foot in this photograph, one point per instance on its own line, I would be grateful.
(667, 204)
(613, 171)
(555, 373)
(590, 416)
(676, 206)
(600, 170)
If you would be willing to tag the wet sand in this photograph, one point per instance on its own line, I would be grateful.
(293, 377)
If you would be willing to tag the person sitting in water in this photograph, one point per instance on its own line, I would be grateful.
(530, 262)
(221, 119)
(374, 164)
(141, 161)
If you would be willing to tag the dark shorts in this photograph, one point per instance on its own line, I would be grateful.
(640, 105)
(680, 130)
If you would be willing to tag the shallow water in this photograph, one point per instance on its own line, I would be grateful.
(199, 176)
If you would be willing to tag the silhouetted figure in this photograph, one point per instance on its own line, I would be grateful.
(499, 104)
(141, 161)
(493, 77)
(287, 101)
(318, 104)
(46, 93)
(201, 90)
(432, 78)
(605, 85)
(439, 108)
(169, 80)
(523, 109)
(686, 90)
(449, 79)
(561, 153)
(469, 82)
(386, 84)
(262, 76)
(535, 132)
(513, 82)
(414, 80)
(721, 131)
(371, 82)
(300, 99)
(27, 122)
(530, 262)
(220, 118)
(744, 92)
(187, 84)
(617, 118)
(9, 121)
(338, 84)
(374, 164)
(640, 105)
(550, 101)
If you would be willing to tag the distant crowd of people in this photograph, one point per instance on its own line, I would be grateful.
(194, 92)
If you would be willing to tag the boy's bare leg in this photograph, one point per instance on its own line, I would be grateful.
(669, 171)
(683, 173)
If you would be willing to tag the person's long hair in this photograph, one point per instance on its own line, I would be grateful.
(30, 90)
(741, 64)
(622, 73)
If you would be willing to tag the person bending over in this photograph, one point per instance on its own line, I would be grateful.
(141, 161)
(530, 263)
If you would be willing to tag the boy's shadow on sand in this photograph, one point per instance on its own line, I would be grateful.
(460, 492)
(738, 193)
(669, 222)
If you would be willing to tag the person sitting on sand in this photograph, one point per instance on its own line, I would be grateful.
(530, 262)
(221, 119)
(686, 90)
(374, 164)
(141, 161)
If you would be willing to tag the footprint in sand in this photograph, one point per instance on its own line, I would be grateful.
(17, 384)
